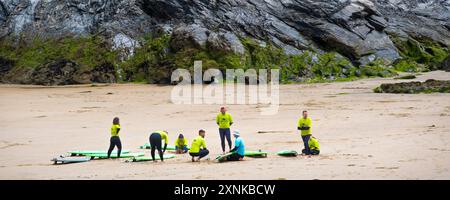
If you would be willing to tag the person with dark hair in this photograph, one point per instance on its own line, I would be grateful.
(115, 140)
(224, 120)
(181, 144)
(156, 143)
(304, 126)
(198, 147)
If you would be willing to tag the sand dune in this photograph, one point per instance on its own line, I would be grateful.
(363, 135)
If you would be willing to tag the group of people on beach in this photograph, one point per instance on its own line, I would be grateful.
(198, 149)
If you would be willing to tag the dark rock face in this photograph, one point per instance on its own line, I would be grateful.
(61, 72)
(5, 66)
(446, 64)
(57, 73)
(416, 87)
(357, 29)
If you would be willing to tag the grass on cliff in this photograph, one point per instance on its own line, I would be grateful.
(158, 56)
(419, 55)
(88, 52)
(154, 61)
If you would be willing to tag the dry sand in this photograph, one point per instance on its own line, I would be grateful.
(363, 135)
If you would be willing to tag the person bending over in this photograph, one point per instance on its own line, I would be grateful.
(156, 143)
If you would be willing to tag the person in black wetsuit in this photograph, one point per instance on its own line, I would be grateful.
(115, 140)
(156, 143)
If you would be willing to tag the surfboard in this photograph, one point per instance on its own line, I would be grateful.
(147, 146)
(223, 158)
(84, 153)
(67, 160)
(149, 158)
(256, 154)
(128, 155)
(288, 153)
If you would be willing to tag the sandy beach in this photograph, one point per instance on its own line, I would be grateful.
(363, 135)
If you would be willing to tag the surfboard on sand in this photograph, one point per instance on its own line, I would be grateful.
(84, 153)
(149, 158)
(105, 155)
(67, 160)
(169, 147)
(256, 154)
(288, 153)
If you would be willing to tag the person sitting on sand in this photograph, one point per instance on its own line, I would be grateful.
(224, 120)
(156, 143)
(304, 125)
(198, 147)
(181, 144)
(314, 147)
(239, 148)
(115, 140)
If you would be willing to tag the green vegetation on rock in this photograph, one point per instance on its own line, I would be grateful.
(419, 55)
(429, 86)
(159, 55)
(88, 52)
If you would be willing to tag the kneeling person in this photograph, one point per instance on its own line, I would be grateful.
(181, 144)
(198, 147)
(239, 148)
(314, 147)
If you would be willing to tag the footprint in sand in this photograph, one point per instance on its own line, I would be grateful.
(6, 144)
(390, 168)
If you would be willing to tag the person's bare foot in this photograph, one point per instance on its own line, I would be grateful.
(198, 160)
(193, 160)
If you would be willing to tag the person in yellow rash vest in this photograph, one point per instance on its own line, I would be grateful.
(304, 125)
(181, 144)
(314, 147)
(115, 140)
(198, 147)
(156, 143)
(224, 121)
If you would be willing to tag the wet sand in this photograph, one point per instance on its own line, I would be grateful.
(363, 135)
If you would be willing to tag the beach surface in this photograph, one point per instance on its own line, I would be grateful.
(363, 135)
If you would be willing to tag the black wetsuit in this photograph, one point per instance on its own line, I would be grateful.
(156, 143)
(114, 141)
(234, 157)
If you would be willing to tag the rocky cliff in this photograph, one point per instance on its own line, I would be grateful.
(362, 31)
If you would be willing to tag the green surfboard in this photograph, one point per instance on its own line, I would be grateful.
(256, 154)
(128, 155)
(149, 158)
(84, 153)
(288, 153)
(147, 146)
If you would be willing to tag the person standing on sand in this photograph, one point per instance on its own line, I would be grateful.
(181, 144)
(115, 140)
(224, 120)
(198, 147)
(239, 148)
(156, 143)
(304, 125)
